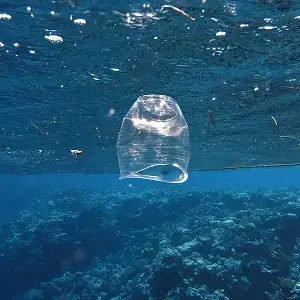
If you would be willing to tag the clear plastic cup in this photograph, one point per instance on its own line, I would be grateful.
(153, 142)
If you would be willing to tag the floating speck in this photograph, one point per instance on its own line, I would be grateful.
(80, 21)
(221, 33)
(5, 17)
(31, 51)
(115, 69)
(54, 38)
(28, 8)
(111, 112)
(1, 45)
(244, 25)
(16, 45)
(267, 27)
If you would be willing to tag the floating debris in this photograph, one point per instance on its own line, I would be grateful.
(221, 33)
(290, 137)
(76, 153)
(5, 17)
(39, 129)
(54, 38)
(212, 119)
(138, 19)
(177, 10)
(275, 124)
(115, 69)
(267, 27)
(80, 21)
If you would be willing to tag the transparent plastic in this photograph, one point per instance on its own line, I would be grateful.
(153, 142)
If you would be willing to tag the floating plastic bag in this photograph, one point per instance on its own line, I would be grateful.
(153, 141)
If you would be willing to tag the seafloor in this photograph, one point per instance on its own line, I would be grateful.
(134, 244)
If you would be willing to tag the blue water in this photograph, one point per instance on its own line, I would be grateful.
(66, 65)
(70, 229)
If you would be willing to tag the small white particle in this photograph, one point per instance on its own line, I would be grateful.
(16, 45)
(111, 112)
(221, 33)
(80, 21)
(1, 45)
(5, 17)
(267, 27)
(31, 51)
(155, 38)
(54, 38)
(28, 8)
(244, 25)
(256, 89)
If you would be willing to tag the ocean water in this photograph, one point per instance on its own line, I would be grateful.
(217, 213)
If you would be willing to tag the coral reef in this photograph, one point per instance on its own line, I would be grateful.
(156, 244)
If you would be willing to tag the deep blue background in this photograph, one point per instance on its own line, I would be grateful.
(18, 191)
